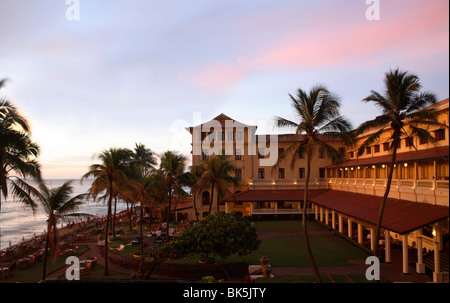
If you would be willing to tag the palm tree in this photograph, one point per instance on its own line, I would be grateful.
(18, 155)
(319, 116)
(57, 204)
(110, 172)
(402, 107)
(142, 182)
(195, 175)
(172, 171)
(218, 173)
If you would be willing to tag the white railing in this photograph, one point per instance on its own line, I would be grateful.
(271, 211)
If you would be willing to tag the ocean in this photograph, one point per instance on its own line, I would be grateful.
(17, 222)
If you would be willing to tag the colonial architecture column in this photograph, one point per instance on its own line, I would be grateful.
(420, 267)
(341, 224)
(387, 244)
(349, 227)
(321, 214)
(437, 264)
(372, 239)
(316, 212)
(360, 233)
(405, 253)
(326, 216)
(333, 219)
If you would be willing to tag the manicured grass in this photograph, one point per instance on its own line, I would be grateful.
(286, 226)
(34, 273)
(290, 251)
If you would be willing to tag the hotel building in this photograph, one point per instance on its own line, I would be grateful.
(345, 197)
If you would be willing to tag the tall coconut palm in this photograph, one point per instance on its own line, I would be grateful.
(142, 182)
(18, 155)
(218, 174)
(402, 106)
(318, 111)
(110, 172)
(58, 203)
(172, 170)
(195, 184)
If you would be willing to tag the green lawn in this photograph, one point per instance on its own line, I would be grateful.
(34, 273)
(290, 251)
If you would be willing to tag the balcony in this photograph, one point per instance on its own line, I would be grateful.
(427, 191)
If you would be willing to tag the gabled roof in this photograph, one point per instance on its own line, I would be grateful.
(222, 119)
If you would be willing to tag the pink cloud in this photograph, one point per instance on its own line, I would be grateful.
(325, 47)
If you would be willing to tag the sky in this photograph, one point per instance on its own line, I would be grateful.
(111, 73)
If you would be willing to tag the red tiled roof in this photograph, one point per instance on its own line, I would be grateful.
(399, 216)
(183, 204)
(425, 154)
(287, 195)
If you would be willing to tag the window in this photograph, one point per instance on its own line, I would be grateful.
(221, 136)
(238, 173)
(260, 173)
(409, 142)
(280, 151)
(423, 140)
(368, 150)
(230, 136)
(204, 156)
(238, 155)
(281, 173)
(261, 153)
(240, 136)
(301, 155)
(301, 173)
(321, 172)
(439, 134)
(321, 153)
(376, 148)
(352, 154)
(386, 146)
(206, 198)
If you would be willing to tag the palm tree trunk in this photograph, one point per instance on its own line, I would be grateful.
(44, 266)
(141, 234)
(108, 219)
(168, 213)
(114, 217)
(212, 199)
(195, 206)
(305, 231)
(383, 202)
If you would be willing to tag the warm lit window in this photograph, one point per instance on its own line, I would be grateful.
(368, 150)
(376, 148)
(386, 146)
(352, 154)
(423, 140)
